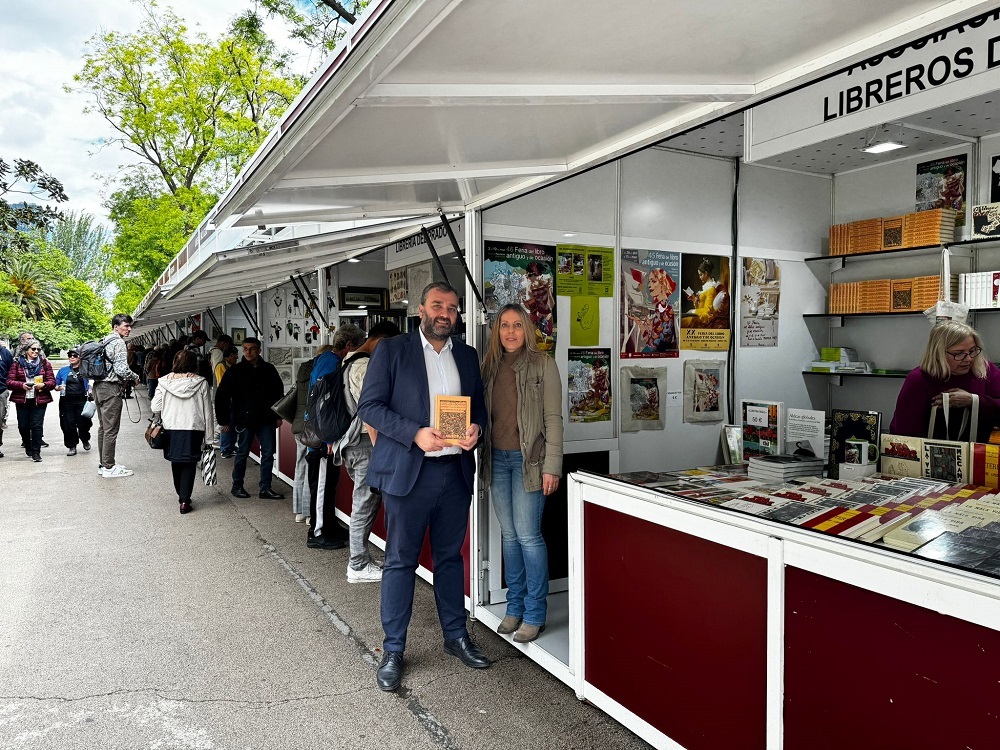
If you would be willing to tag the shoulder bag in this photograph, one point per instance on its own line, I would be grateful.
(156, 436)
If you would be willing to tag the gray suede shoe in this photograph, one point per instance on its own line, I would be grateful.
(508, 625)
(527, 633)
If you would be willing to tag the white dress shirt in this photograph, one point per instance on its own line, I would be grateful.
(442, 380)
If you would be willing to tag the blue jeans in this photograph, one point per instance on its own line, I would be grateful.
(226, 441)
(268, 437)
(525, 557)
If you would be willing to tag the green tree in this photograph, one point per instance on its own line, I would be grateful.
(87, 245)
(85, 312)
(35, 288)
(25, 179)
(192, 109)
(319, 24)
(150, 229)
(55, 335)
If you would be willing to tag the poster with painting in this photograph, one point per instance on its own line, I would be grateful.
(703, 390)
(759, 299)
(941, 184)
(642, 398)
(397, 285)
(588, 385)
(705, 302)
(238, 335)
(523, 273)
(649, 301)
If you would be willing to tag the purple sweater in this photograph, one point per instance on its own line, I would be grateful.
(913, 406)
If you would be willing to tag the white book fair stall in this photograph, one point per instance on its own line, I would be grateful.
(743, 553)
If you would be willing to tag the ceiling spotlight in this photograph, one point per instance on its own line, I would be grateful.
(881, 140)
(354, 260)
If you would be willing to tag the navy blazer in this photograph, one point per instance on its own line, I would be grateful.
(395, 401)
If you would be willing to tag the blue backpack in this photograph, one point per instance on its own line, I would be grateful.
(328, 411)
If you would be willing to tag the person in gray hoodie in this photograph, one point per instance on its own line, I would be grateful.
(183, 403)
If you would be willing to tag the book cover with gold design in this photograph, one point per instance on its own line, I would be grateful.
(452, 416)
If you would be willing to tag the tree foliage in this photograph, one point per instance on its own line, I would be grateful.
(87, 245)
(150, 230)
(25, 179)
(194, 110)
(35, 288)
(320, 24)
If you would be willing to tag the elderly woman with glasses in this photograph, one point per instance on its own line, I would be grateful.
(953, 363)
(31, 382)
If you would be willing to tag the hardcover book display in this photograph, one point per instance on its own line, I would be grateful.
(763, 424)
(452, 416)
(902, 456)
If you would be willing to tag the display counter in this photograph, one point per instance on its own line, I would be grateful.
(700, 627)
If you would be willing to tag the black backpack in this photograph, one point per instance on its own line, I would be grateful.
(329, 408)
(94, 364)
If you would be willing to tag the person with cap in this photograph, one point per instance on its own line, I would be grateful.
(74, 390)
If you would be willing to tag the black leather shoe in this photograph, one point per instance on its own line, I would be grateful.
(44, 444)
(239, 492)
(390, 671)
(322, 542)
(468, 652)
(270, 495)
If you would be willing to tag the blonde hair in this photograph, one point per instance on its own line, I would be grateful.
(495, 350)
(944, 336)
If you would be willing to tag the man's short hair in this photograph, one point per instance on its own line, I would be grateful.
(383, 330)
(348, 335)
(230, 350)
(441, 286)
(121, 318)
(200, 335)
(252, 340)
(224, 339)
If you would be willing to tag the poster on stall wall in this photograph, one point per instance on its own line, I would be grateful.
(524, 274)
(588, 385)
(417, 277)
(995, 179)
(759, 302)
(703, 390)
(941, 184)
(582, 269)
(397, 285)
(584, 321)
(705, 300)
(643, 398)
(649, 301)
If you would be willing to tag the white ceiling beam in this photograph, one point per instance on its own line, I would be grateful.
(520, 94)
(319, 213)
(435, 173)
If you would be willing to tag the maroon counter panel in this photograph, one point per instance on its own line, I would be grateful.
(285, 462)
(866, 670)
(676, 630)
(345, 502)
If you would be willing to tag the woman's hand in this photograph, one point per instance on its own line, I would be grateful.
(957, 398)
(550, 483)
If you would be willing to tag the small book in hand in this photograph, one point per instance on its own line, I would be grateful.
(452, 416)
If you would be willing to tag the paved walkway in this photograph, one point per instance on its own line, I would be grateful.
(126, 625)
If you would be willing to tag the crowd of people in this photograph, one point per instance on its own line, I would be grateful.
(396, 456)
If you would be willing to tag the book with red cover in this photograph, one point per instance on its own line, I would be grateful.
(985, 460)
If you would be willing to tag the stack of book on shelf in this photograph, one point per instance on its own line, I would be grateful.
(783, 467)
(919, 229)
(980, 289)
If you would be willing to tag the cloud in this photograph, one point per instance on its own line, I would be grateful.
(43, 48)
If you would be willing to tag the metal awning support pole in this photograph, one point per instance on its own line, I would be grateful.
(307, 297)
(461, 259)
(214, 320)
(430, 246)
(251, 319)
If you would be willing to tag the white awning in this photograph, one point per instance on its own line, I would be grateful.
(458, 104)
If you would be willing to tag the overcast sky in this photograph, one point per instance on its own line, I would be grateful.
(41, 48)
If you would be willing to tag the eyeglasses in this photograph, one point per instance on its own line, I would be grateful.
(962, 356)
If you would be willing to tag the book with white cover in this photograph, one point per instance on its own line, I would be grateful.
(805, 431)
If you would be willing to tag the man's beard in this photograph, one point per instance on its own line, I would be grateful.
(427, 326)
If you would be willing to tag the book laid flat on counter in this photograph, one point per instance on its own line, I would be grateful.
(763, 424)
(452, 416)
(927, 526)
(862, 429)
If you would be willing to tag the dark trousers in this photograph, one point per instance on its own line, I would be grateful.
(184, 475)
(267, 436)
(30, 418)
(323, 501)
(75, 427)
(439, 501)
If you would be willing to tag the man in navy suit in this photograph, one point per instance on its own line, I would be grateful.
(426, 483)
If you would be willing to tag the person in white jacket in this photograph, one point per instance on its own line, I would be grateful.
(183, 403)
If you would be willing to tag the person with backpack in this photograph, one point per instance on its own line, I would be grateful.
(154, 367)
(354, 450)
(322, 472)
(74, 392)
(31, 381)
(109, 392)
(243, 404)
(197, 345)
(300, 487)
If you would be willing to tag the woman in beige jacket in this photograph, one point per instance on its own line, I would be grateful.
(183, 402)
(522, 462)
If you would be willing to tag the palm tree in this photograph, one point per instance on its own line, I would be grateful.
(35, 291)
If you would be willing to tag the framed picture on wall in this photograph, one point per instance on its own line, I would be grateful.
(238, 335)
(363, 298)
